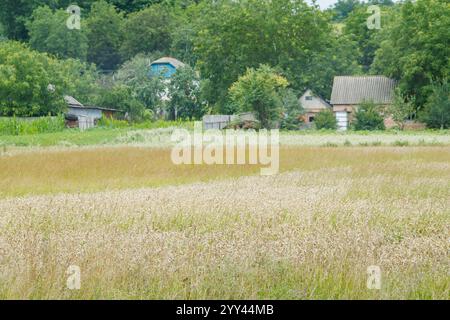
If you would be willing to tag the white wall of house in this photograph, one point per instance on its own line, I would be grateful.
(311, 102)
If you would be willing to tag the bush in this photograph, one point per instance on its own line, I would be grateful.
(325, 120)
(112, 123)
(437, 109)
(121, 97)
(368, 117)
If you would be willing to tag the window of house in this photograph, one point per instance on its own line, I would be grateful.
(311, 119)
(308, 98)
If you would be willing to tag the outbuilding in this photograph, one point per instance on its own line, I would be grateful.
(350, 91)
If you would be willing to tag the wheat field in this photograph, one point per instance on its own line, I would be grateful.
(138, 227)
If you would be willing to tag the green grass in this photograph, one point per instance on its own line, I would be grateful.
(132, 134)
(66, 137)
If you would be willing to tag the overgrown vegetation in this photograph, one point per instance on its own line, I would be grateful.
(16, 126)
(368, 117)
(325, 120)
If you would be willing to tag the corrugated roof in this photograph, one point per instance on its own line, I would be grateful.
(72, 101)
(176, 63)
(355, 89)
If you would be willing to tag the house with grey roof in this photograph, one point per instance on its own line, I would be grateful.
(350, 91)
(312, 105)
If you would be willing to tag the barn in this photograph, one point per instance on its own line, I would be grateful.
(350, 91)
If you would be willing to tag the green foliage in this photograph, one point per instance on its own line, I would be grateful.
(81, 80)
(49, 33)
(368, 117)
(292, 111)
(343, 8)
(437, 109)
(325, 120)
(415, 47)
(15, 13)
(112, 123)
(184, 92)
(134, 73)
(289, 35)
(15, 126)
(401, 109)
(366, 39)
(259, 91)
(105, 27)
(147, 31)
(121, 97)
(24, 79)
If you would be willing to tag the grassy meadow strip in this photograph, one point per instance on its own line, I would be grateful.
(109, 168)
(158, 134)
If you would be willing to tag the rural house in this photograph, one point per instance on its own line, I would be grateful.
(312, 104)
(85, 117)
(165, 67)
(350, 91)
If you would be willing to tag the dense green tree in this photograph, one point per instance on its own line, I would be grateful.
(292, 111)
(147, 31)
(367, 40)
(233, 36)
(104, 35)
(184, 93)
(260, 91)
(25, 76)
(34, 84)
(49, 33)
(415, 47)
(343, 8)
(437, 108)
(82, 80)
(121, 97)
(135, 74)
(15, 13)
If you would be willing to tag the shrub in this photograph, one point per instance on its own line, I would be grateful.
(437, 109)
(121, 97)
(325, 120)
(368, 117)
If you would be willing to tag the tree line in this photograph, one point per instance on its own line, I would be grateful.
(222, 41)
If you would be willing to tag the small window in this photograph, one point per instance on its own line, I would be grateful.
(308, 98)
(311, 119)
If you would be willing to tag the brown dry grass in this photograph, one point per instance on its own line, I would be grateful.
(304, 234)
